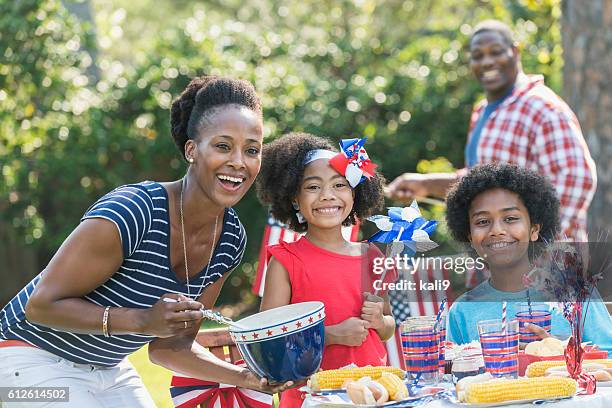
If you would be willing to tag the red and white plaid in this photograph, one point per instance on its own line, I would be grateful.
(535, 128)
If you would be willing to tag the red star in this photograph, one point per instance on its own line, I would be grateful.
(284, 328)
(255, 335)
(298, 324)
(243, 337)
(311, 319)
(319, 315)
(269, 332)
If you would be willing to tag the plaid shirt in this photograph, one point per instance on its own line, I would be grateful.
(536, 129)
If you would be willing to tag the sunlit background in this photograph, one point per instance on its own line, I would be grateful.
(86, 87)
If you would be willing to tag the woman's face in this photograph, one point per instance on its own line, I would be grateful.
(500, 228)
(494, 62)
(227, 153)
(325, 197)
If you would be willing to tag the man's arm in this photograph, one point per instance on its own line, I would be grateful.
(564, 157)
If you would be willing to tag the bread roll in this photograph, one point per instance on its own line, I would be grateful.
(601, 375)
(359, 393)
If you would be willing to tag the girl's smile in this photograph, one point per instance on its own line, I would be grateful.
(325, 197)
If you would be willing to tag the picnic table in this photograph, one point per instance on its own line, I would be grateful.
(601, 399)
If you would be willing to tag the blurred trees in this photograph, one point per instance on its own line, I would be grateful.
(394, 71)
(587, 40)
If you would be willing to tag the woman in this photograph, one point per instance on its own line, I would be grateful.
(142, 262)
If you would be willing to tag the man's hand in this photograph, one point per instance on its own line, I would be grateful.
(407, 187)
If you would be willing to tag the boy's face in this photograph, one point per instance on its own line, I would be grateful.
(500, 228)
(325, 197)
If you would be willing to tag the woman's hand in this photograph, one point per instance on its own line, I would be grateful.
(261, 384)
(351, 332)
(169, 318)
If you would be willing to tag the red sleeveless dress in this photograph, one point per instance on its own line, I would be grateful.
(338, 281)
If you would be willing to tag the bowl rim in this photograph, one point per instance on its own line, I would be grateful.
(319, 307)
(251, 341)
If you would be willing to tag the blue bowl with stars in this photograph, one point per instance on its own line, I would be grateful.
(283, 344)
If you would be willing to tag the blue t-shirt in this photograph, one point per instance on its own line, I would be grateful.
(140, 213)
(470, 308)
(471, 149)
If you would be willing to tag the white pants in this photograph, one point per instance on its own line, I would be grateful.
(88, 386)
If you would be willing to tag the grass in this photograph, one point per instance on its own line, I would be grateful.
(155, 378)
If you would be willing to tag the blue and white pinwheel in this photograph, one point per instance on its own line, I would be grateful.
(405, 225)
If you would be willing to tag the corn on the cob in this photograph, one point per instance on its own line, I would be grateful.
(396, 387)
(538, 368)
(334, 379)
(527, 388)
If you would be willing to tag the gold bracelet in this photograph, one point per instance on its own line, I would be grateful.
(105, 322)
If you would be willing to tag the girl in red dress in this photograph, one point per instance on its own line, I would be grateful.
(304, 191)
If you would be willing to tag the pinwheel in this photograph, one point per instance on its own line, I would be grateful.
(404, 229)
(406, 226)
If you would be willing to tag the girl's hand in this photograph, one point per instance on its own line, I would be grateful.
(167, 319)
(372, 312)
(351, 332)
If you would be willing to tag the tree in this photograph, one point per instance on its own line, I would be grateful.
(587, 46)
(391, 70)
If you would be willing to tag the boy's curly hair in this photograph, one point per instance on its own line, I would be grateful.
(536, 192)
(282, 171)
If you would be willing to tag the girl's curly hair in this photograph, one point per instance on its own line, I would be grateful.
(282, 171)
(536, 192)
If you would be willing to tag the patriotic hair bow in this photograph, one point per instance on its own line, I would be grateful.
(405, 225)
(353, 161)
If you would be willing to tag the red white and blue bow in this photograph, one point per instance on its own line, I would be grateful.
(192, 393)
(353, 161)
(405, 225)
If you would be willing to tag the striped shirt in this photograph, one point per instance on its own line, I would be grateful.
(140, 213)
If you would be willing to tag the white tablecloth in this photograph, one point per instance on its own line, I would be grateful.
(601, 399)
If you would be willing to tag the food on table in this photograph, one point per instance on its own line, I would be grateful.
(395, 386)
(486, 390)
(453, 351)
(601, 375)
(463, 383)
(538, 368)
(367, 391)
(359, 393)
(599, 371)
(334, 379)
(547, 347)
(466, 367)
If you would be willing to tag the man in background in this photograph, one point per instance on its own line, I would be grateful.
(520, 121)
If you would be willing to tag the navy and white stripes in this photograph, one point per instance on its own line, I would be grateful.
(140, 213)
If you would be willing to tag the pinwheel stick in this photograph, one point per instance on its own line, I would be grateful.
(389, 253)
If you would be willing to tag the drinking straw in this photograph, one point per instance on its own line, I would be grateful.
(439, 315)
(504, 308)
(529, 304)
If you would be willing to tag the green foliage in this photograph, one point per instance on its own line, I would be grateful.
(394, 71)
